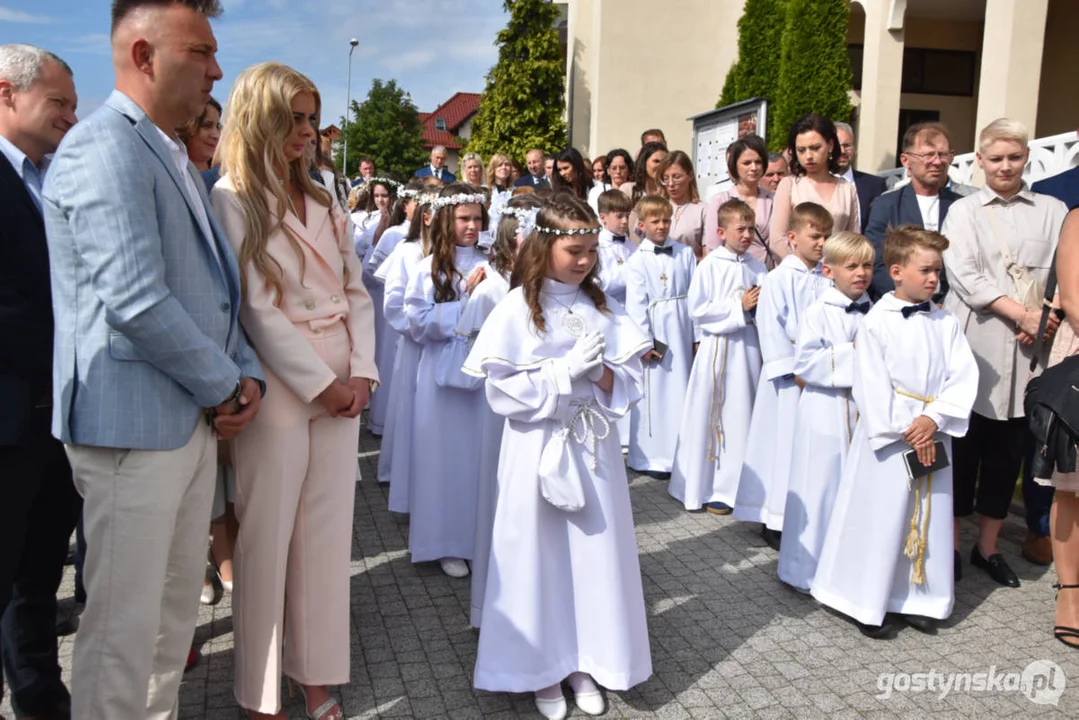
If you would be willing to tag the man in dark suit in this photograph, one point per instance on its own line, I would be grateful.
(927, 153)
(536, 177)
(38, 502)
(869, 186)
(437, 168)
(1063, 186)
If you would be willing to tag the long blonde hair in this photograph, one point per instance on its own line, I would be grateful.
(258, 121)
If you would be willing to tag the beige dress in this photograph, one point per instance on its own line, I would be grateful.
(792, 191)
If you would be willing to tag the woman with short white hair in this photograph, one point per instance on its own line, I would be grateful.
(1002, 242)
(472, 169)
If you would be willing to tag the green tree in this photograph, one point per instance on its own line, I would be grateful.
(814, 74)
(756, 73)
(386, 127)
(524, 99)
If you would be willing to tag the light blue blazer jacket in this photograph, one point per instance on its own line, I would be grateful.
(147, 334)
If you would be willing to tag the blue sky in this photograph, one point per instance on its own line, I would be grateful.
(433, 48)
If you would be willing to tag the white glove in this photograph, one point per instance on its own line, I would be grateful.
(585, 356)
(596, 373)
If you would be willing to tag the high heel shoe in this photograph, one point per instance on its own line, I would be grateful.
(329, 710)
(1063, 633)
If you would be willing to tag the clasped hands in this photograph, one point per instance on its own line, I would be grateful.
(585, 358)
(1027, 327)
(920, 437)
(346, 399)
(230, 418)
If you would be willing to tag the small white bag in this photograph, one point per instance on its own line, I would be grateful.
(560, 477)
(1027, 291)
(451, 358)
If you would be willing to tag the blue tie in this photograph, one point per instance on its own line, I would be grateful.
(862, 308)
(912, 309)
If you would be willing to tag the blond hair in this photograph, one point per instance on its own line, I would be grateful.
(845, 246)
(258, 120)
(650, 205)
(1003, 129)
(902, 241)
(492, 165)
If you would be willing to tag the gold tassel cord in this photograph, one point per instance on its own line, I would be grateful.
(714, 414)
(917, 537)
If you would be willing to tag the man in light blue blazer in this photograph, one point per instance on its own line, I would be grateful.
(150, 362)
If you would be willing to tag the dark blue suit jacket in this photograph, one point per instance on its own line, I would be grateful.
(1064, 187)
(892, 209)
(444, 175)
(26, 322)
(869, 188)
(530, 180)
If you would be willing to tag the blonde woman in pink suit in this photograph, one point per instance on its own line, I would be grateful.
(311, 322)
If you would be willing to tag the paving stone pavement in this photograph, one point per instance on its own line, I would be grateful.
(728, 640)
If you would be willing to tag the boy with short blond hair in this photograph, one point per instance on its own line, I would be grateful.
(715, 422)
(786, 294)
(889, 545)
(824, 361)
(657, 280)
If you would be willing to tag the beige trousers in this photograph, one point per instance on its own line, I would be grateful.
(145, 516)
(295, 488)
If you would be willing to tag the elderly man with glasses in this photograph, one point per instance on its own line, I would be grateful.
(927, 154)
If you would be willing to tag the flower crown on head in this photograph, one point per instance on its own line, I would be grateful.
(393, 184)
(574, 231)
(458, 199)
(407, 193)
(526, 217)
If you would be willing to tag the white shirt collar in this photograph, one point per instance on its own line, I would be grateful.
(849, 175)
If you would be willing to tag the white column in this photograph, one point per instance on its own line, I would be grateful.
(1012, 45)
(882, 75)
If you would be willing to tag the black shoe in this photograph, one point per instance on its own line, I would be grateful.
(921, 623)
(996, 566)
(958, 566)
(885, 631)
(657, 474)
(771, 537)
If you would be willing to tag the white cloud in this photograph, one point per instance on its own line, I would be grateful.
(18, 16)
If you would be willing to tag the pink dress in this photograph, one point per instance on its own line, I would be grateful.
(792, 191)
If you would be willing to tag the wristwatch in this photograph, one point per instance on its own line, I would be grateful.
(235, 394)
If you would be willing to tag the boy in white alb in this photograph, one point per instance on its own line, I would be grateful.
(615, 247)
(786, 294)
(657, 280)
(824, 361)
(889, 546)
(715, 422)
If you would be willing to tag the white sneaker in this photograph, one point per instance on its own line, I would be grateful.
(207, 596)
(454, 567)
(555, 709)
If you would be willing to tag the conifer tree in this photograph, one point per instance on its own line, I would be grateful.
(523, 103)
(814, 74)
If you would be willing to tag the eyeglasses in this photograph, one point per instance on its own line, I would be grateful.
(926, 157)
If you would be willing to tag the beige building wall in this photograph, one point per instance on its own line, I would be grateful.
(1058, 98)
(636, 64)
(957, 113)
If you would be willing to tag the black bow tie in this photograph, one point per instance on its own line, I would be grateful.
(862, 307)
(920, 307)
(618, 238)
(665, 250)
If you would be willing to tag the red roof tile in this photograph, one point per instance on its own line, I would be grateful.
(455, 112)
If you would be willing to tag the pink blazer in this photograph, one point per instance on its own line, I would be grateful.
(310, 304)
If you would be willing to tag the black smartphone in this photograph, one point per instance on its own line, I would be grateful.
(916, 470)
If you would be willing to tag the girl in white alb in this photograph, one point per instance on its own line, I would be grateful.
(445, 445)
(512, 224)
(564, 598)
(395, 456)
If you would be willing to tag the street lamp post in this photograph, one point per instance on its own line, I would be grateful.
(348, 108)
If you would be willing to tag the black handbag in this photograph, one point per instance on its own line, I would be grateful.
(1051, 401)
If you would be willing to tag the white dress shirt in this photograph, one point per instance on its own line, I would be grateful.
(183, 165)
